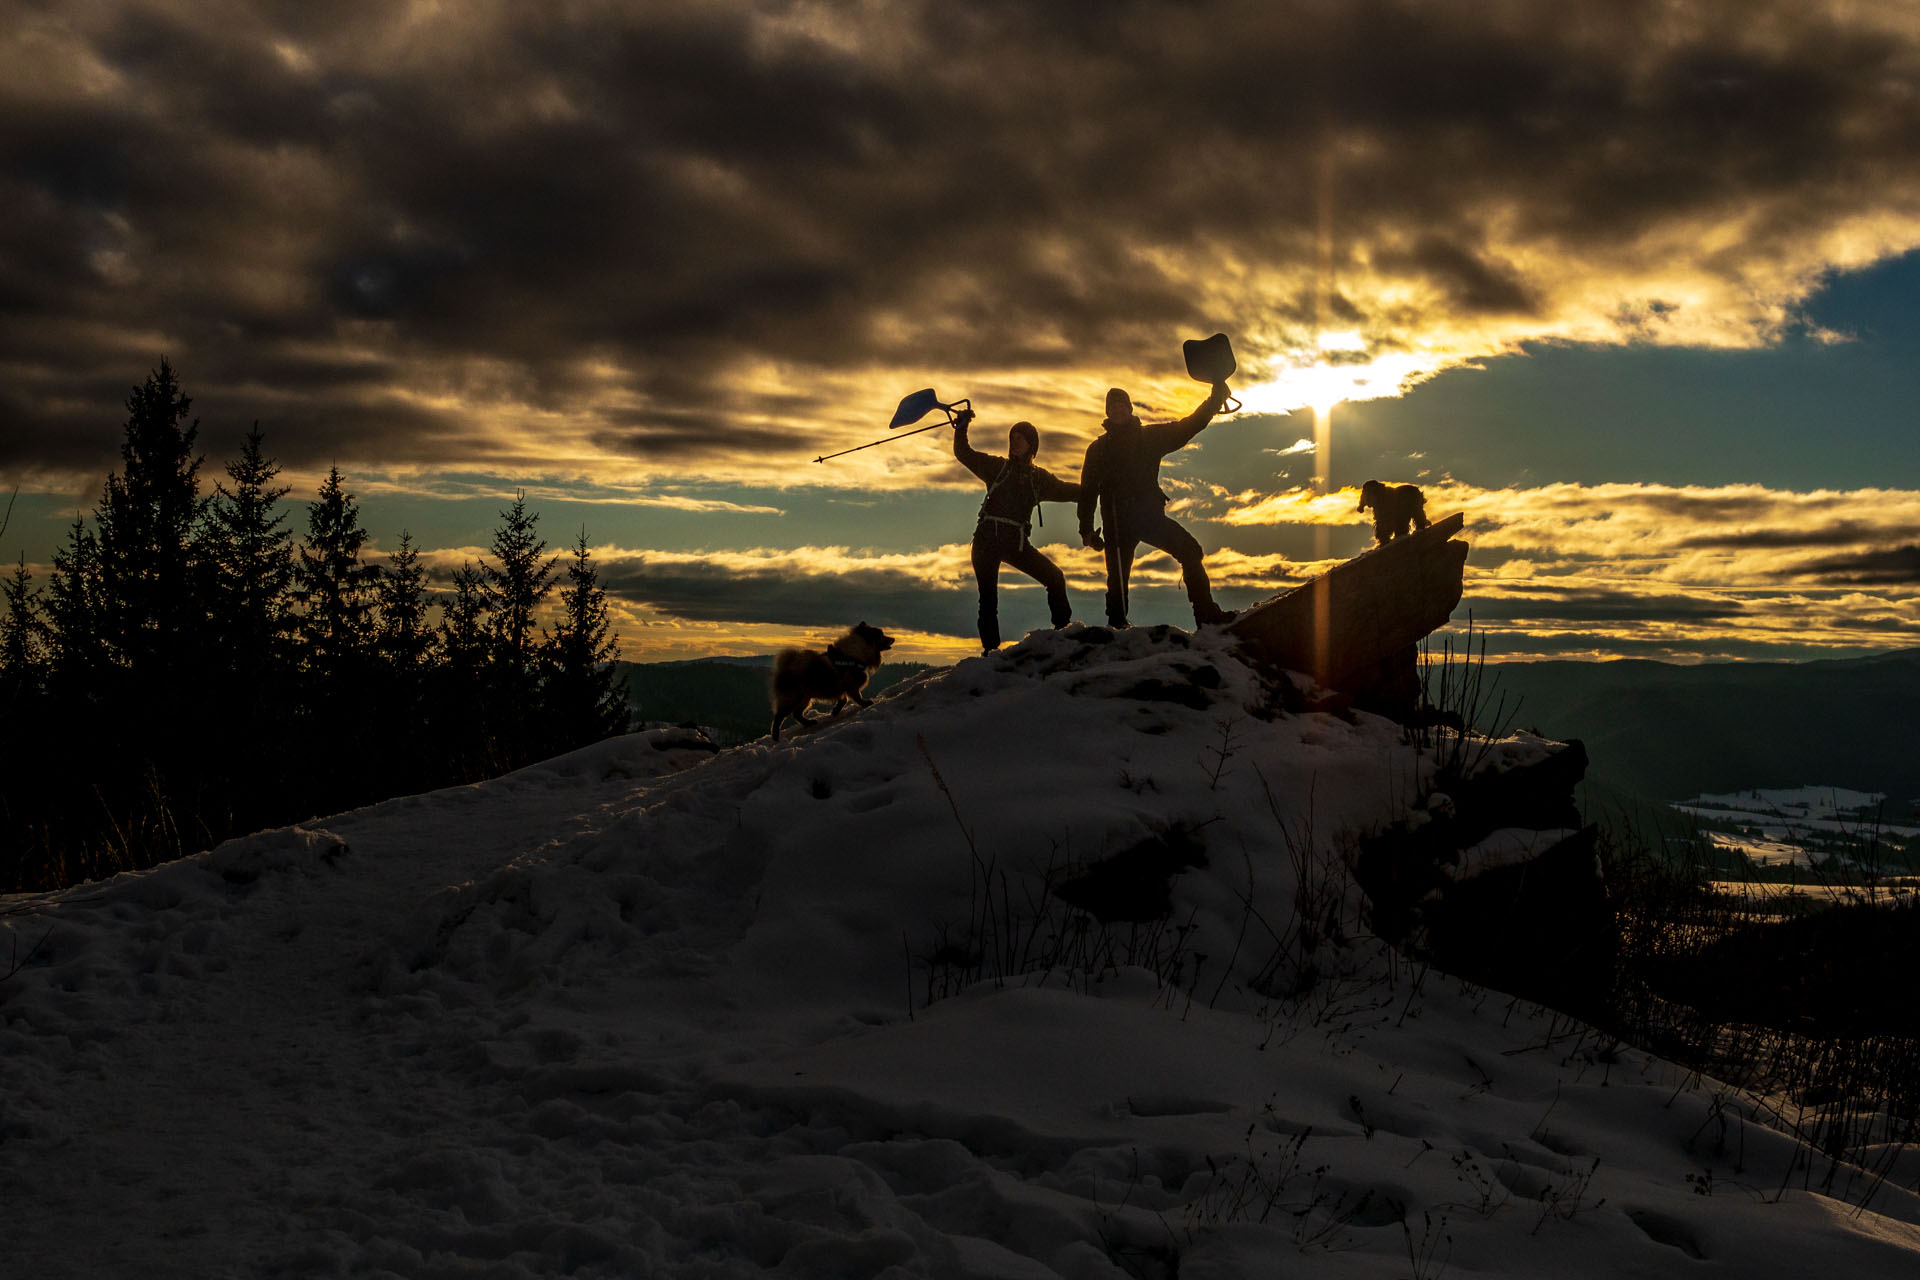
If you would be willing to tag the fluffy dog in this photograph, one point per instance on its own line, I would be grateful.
(803, 676)
(1395, 506)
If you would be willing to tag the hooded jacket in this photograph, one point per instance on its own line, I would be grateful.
(1122, 467)
(1015, 486)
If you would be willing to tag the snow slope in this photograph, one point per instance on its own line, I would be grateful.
(647, 1010)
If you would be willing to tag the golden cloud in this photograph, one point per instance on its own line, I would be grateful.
(1681, 569)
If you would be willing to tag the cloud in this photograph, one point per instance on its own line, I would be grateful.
(718, 238)
(1677, 569)
(1588, 606)
(1839, 533)
(804, 586)
(1893, 566)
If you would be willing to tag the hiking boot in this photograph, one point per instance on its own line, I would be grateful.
(1212, 615)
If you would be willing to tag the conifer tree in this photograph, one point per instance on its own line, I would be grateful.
(23, 644)
(583, 702)
(335, 589)
(459, 696)
(249, 560)
(404, 640)
(463, 635)
(75, 620)
(250, 555)
(518, 583)
(151, 596)
(405, 752)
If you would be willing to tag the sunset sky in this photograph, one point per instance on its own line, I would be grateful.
(1632, 284)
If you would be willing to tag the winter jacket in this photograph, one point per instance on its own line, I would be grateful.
(1122, 466)
(1014, 486)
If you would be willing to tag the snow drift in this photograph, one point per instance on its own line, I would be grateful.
(648, 1009)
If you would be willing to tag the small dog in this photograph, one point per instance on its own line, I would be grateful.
(803, 676)
(1395, 506)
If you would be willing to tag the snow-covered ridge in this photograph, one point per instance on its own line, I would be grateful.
(652, 1010)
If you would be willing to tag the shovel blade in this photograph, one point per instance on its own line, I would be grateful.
(1209, 359)
(915, 407)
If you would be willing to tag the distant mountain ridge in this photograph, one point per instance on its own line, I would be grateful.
(1666, 732)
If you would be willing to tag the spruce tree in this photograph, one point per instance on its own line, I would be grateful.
(518, 583)
(458, 695)
(404, 640)
(23, 643)
(403, 646)
(583, 701)
(250, 555)
(151, 593)
(75, 619)
(336, 590)
(463, 634)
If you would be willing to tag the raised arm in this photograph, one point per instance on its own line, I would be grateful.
(983, 465)
(1165, 437)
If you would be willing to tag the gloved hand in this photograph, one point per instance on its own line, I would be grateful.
(1091, 539)
(962, 419)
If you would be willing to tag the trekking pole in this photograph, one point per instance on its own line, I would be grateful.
(912, 409)
(932, 426)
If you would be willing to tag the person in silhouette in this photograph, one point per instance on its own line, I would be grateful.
(1122, 475)
(1003, 534)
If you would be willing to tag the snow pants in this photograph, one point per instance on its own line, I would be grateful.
(1153, 526)
(995, 544)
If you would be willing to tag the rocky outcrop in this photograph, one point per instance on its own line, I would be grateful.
(1355, 628)
(1496, 880)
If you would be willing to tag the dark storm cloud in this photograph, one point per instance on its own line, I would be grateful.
(1894, 566)
(1842, 534)
(1879, 622)
(1507, 643)
(791, 596)
(327, 203)
(1470, 283)
(1586, 606)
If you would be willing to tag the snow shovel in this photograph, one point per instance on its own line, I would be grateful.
(1210, 360)
(912, 409)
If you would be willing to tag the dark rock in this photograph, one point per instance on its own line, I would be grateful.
(1135, 884)
(1354, 627)
(1156, 690)
(1206, 676)
(1542, 929)
(1538, 796)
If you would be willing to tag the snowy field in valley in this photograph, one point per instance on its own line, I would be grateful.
(1800, 813)
(1764, 853)
(646, 1010)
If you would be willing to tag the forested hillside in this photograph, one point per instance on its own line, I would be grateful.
(1668, 732)
(192, 671)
